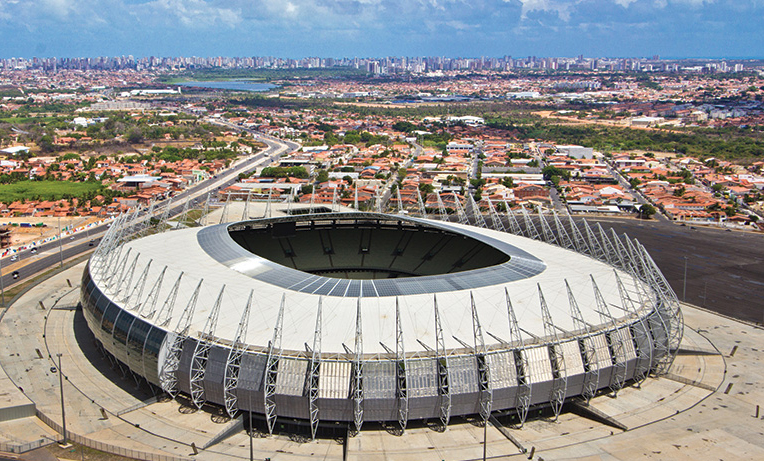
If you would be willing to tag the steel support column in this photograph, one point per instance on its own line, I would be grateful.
(586, 346)
(484, 369)
(271, 369)
(401, 387)
(358, 371)
(614, 340)
(233, 362)
(168, 375)
(201, 353)
(524, 386)
(444, 390)
(530, 229)
(556, 357)
(315, 372)
(165, 312)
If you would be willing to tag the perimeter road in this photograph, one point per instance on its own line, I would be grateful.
(666, 418)
(46, 255)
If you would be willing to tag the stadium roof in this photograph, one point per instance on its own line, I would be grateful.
(210, 254)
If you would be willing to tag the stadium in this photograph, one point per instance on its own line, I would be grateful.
(322, 320)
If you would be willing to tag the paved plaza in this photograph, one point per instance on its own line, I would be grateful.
(705, 408)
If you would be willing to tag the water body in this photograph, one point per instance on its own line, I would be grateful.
(233, 85)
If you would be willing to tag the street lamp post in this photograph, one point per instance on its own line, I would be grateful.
(2, 288)
(485, 437)
(684, 286)
(251, 448)
(60, 244)
(61, 385)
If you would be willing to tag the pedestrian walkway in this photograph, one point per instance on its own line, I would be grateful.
(689, 414)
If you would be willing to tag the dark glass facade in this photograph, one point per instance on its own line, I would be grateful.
(137, 343)
(131, 340)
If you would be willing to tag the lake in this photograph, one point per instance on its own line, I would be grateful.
(233, 85)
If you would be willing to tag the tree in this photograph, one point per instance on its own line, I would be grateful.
(134, 136)
(323, 176)
(406, 127)
(46, 143)
(284, 172)
(426, 188)
(508, 182)
(647, 211)
(550, 171)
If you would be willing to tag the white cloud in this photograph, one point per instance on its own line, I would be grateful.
(563, 10)
(624, 3)
(690, 3)
(191, 13)
(693, 2)
(459, 25)
(291, 8)
(60, 8)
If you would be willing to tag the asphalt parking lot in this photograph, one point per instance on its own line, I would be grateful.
(725, 270)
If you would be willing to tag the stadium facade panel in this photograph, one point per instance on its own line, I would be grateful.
(353, 317)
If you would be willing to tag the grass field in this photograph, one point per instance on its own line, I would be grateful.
(45, 190)
(20, 120)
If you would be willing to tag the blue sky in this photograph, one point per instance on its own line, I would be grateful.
(368, 28)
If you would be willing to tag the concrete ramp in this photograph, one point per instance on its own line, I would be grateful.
(13, 403)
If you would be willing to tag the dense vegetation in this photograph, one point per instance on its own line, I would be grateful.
(515, 117)
(284, 172)
(438, 140)
(725, 143)
(174, 154)
(118, 128)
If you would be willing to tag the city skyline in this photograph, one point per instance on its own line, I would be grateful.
(390, 65)
(298, 28)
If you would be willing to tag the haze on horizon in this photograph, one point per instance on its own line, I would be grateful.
(363, 28)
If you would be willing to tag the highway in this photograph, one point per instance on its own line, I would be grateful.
(46, 256)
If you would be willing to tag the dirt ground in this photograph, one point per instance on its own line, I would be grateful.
(73, 452)
(24, 235)
(604, 122)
